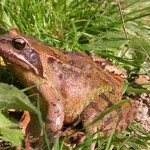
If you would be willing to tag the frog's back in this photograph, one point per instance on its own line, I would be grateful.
(79, 81)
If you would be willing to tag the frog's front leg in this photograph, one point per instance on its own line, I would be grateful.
(52, 112)
(117, 120)
(55, 113)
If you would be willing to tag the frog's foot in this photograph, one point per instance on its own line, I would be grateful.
(35, 135)
(33, 127)
(25, 121)
(116, 121)
(76, 137)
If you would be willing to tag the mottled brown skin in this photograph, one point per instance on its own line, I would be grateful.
(70, 84)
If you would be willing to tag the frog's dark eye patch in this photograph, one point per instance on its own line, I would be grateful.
(33, 58)
(19, 43)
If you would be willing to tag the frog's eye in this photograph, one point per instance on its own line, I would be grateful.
(19, 43)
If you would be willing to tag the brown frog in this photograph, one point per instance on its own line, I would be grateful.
(71, 85)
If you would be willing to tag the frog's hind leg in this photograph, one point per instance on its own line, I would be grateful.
(115, 121)
(90, 114)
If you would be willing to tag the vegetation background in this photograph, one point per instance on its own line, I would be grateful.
(115, 29)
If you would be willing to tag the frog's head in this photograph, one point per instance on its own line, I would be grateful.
(21, 51)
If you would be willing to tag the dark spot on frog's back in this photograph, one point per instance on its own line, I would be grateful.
(86, 67)
(94, 106)
(51, 60)
(61, 76)
(53, 104)
(107, 99)
(63, 91)
(73, 54)
(71, 62)
(57, 56)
